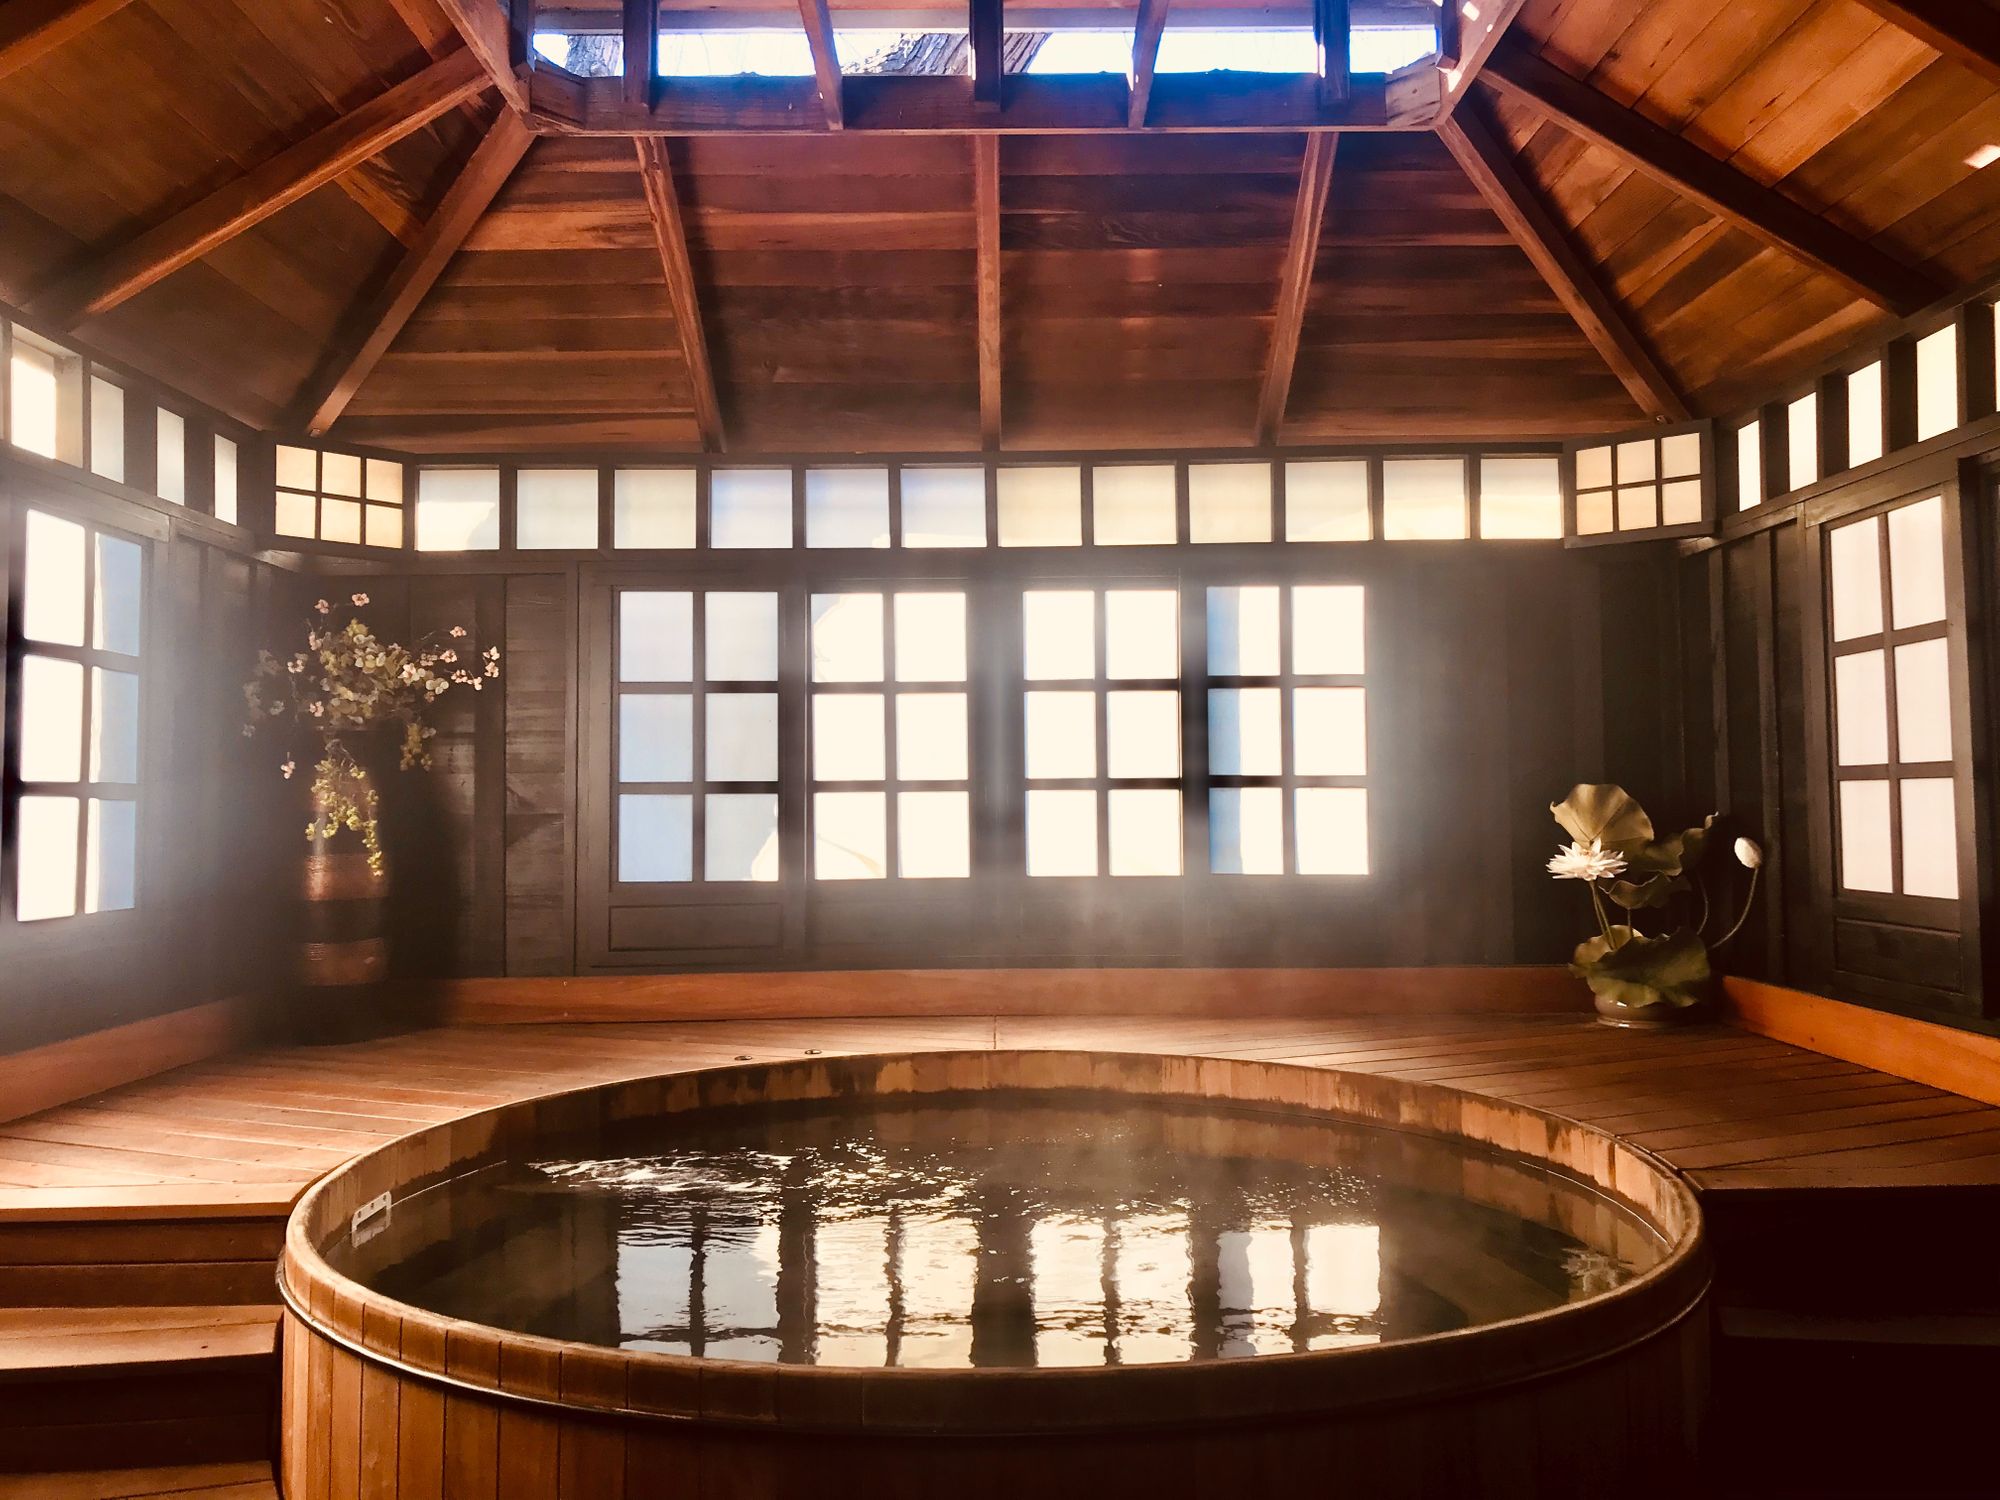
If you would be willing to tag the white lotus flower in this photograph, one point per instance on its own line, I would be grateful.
(1748, 854)
(1591, 861)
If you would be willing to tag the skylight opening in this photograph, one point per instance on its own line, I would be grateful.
(1376, 49)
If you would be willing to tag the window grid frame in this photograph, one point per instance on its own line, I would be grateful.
(405, 507)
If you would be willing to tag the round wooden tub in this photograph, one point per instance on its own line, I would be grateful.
(1602, 1396)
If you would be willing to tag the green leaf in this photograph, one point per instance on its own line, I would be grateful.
(1605, 813)
(1674, 856)
(1654, 892)
(1639, 971)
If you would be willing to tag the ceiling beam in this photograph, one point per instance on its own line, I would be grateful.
(1295, 283)
(1451, 33)
(30, 29)
(663, 204)
(1518, 206)
(1964, 31)
(367, 335)
(488, 33)
(1146, 33)
(299, 169)
(989, 43)
(1474, 44)
(818, 20)
(986, 212)
(1761, 211)
(1333, 33)
(640, 51)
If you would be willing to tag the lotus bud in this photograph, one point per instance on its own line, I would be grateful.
(1748, 854)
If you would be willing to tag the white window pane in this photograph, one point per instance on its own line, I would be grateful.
(1062, 832)
(1749, 465)
(742, 637)
(107, 430)
(1864, 836)
(1861, 709)
(555, 508)
(385, 481)
(225, 479)
(850, 836)
(51, 719)
(653, 508)
(298, 468)
(1593, 468)
(340, 474)
(1327, 630)
(1059, 635)
(1930, 838)
(1680, 456)
(847, 638)
(931, 737)
(1854, 561)
(1145, 831)
(1637, 461)
(655, 837)
(1243, 632)
(111, 855)
(1594, 514)
(1331, 830)
(1423, 499)
(847, 507)
(1041, 506)
(1916, 563)
(1802, 426)
(1061, 732)
(114, 726)
(1245, 737)
(1937, 383)
(1330, 731)
(1638, 507)
(933, 835)
(1864, 415)
(1246, 830)
(1520, 497)
(339, 520)
(655, 636)
(1229, 502)
(170, 472)
(930, 637)
(944, 507)
(750, 508)
(118, 607)
(1143, 734)
(45, 887)
(1133, 505)
(55, 573)
(655, 737)
(1142, 634)
(383, 526)
(742, 837)
(297, 515)
(1326, 500)
(1680, 502)
(458, 510)
(32, 416)
(1923, 702)
(848, 741)
(742, 737)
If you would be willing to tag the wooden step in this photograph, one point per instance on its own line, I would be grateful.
(249, 1480)
(126, 1247)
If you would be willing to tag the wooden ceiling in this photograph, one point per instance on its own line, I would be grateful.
(333, 213)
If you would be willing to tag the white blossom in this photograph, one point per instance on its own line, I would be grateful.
(360, 599)
(1591, 861)
(1748, 854)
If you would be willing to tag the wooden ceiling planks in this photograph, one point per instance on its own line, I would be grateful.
(30, 29)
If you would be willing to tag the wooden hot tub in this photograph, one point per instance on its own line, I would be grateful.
(1600, 1396)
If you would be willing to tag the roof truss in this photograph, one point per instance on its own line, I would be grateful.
(656, 174)
(1295, 283)
(1963, 30)
(31, 28)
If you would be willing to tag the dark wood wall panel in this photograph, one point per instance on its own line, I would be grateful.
(538, 672)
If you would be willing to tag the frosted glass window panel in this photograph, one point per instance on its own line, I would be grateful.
(111, 855)
(1854, 566)
(930, 637)
(741, 739)
(655, 737)
(653, 508)
(1680, 456)
(555, 509)
(848, 737)
(1145, 831)
(297, 515)
(1916, 563)
(339, 520)
(1923, 702)
(1680, 502)
(944, 507)
(1243, 632)
(1865, 863)
(383, 526)
(1142, 634)
(847, 638)
(385, 481)
(107, 430)
(1326, 500)
(45, 885)
(1937, 383)
(118, 606)
(1520, 498)
(1802, 425)
(1423, 499)
(297, 468)
(1062, 832)
(1061, 733)
(1749, 465)
(55, 574)
(114, 726)
(1330, 731)
(458, 510)
(741, 840)
(655, 636)
(1593, 468)
(750, 508)
(1245, 732)
(931, 737)
(1594, 514)
(1864, 415)
(225, 480)
(1041, 506)
(1246, 830)
(1229, 502)
(850, 836)
(933, 835)
(1330, 830)
(340, 474)
(170, 467)
(1638, 461)
(1861, 709)
(1143, 734)
(34, 405)
(1059, 635)
(847, 507)
(1328, 630)
(1133, 505)
(1638, 508)
(742, 637)
(51, 719)
(655, 838)
(1930, 838)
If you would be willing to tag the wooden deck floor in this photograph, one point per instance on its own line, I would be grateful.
(1726, 1106)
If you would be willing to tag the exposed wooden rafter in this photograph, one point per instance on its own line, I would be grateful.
(818, 21)
(656, 174)
(639, 55)
(989, 43)
(1475, 45)
(487, 31)
(1963, 30)
(252, 198)
(368, 335)
(986, 211)
(1295, 283)
(1146, 33)
(1334, 33)
(1451, 33)
(1544, 241)
(1685, 168)
(33, 28)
